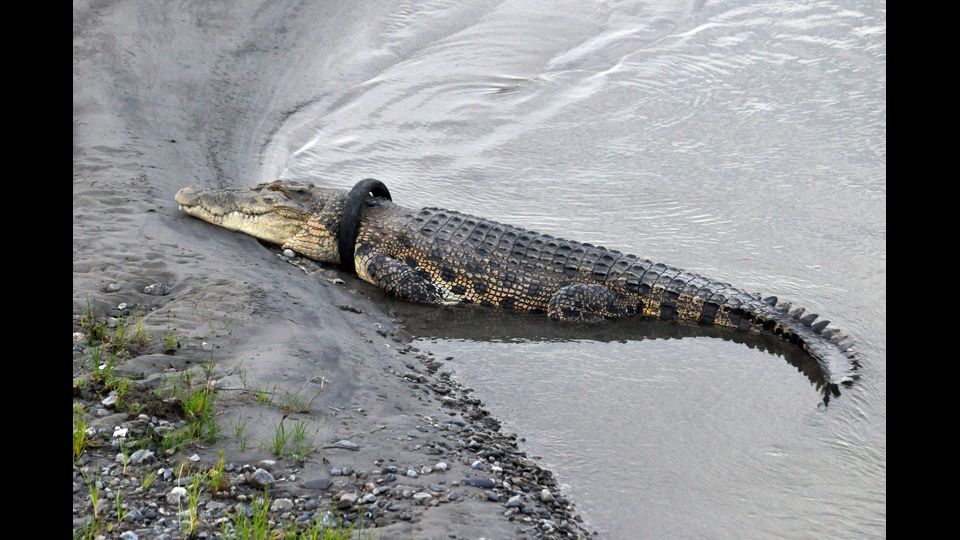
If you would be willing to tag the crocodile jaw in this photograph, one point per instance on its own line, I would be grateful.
(259, 211)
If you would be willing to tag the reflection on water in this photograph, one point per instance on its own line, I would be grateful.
(467, 323)
(741, 140)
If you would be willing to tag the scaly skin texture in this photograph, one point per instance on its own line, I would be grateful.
(439, 256)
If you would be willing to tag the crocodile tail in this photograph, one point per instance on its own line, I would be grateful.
(723, 305)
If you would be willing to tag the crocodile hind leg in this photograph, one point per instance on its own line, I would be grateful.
(588, 302)
(398, 279)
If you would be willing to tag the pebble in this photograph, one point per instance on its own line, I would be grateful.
(515, 501)
(101, 412)
(79, 339)
(111, 322)
(453, 495)
(412, 473)
(546, 496)
(206, 346)
(477, 465)
(267, 464)
(436, 487)
(441, 466)
(319, 483)
(493, 497)
(111, 287)
(346, 501)
(368, 498)
(390, 477)
(288, 253)
(195, 458)
(176, 494)
(129, 535)
(157, 289)
(119, 432)
(141, 456)
(485, 483)
(327, 519)
(336, 471)
(347, 445)
(261, 479)
(281, 505)
(422, 497)
(109, 401)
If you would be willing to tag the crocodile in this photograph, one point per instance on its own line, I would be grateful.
(438, 256)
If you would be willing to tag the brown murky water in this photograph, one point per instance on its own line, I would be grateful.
(741, 140)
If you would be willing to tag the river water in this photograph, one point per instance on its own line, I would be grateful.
(743, 140)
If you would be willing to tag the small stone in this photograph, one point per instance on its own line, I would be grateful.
(453, 495)
(111, 322)
(440, 466)
(336, 471)
(261, 479)
(206, 346)
(111, 287)
(142, 456)
(134, 516)
(318, 483)
(546, 496)
(347, 445)
(390, 477)
(477, 465)
(422, 497)
(492, 496)
(412, 473)
(79, 339)
(485, 483)
(281, 505)
(119, 432)
(157, 289)
(368, 498)
(129, 535)
(195, 458)
(176, 495)
(346, 501)
(515, 501)
(109, 401)
(347, 471)
(288, 253)
(327, 519)
(101, 412)
(267, 464)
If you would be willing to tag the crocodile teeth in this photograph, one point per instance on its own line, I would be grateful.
(808, 320)
(770, 300)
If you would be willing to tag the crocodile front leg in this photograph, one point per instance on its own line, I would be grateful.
(588, 302)
(398, 279)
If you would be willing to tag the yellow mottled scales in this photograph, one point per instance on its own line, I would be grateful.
(439, 256)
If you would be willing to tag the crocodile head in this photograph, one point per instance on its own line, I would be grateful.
(296, 215)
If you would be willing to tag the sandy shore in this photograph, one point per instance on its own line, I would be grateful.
(166, 96)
